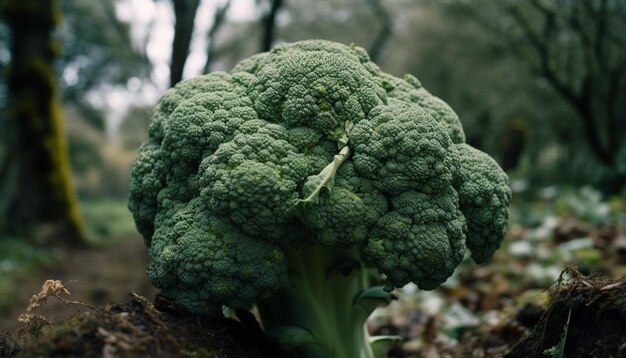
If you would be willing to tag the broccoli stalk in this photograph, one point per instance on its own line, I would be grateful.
(321, 311)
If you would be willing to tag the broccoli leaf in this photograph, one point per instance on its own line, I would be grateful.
(325, 179)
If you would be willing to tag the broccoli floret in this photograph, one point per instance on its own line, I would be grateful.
(428, 231)
(289, 181)
(484, 195)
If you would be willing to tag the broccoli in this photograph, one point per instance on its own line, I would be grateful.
(292, 180)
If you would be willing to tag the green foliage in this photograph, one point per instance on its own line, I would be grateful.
(107, 220)
(215, 189)
(585, 203)
(95, 53)
(84, 154)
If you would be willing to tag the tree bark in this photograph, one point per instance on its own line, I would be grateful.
(37, 191)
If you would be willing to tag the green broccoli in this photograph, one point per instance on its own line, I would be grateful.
(289, 181)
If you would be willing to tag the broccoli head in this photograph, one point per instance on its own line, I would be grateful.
(286, 181)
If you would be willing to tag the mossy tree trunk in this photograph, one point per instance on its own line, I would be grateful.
(36, 188)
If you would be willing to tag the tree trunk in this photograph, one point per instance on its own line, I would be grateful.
(269, 25)
(37, 192)
(185, 13)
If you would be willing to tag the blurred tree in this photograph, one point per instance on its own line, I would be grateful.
(5, 56)
(512, 142)
(35, 183)
(481, 83)
(385, 32)
(366, 23)
(96, 52)
(269, 22)
(218, 21)
(579, 48)
(185, 14)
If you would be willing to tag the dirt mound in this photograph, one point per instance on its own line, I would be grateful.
(586, 318)
(143, 329)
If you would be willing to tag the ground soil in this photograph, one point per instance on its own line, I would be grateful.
(592, 309)
(95, 276)
(140, 328)
(124, 321)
